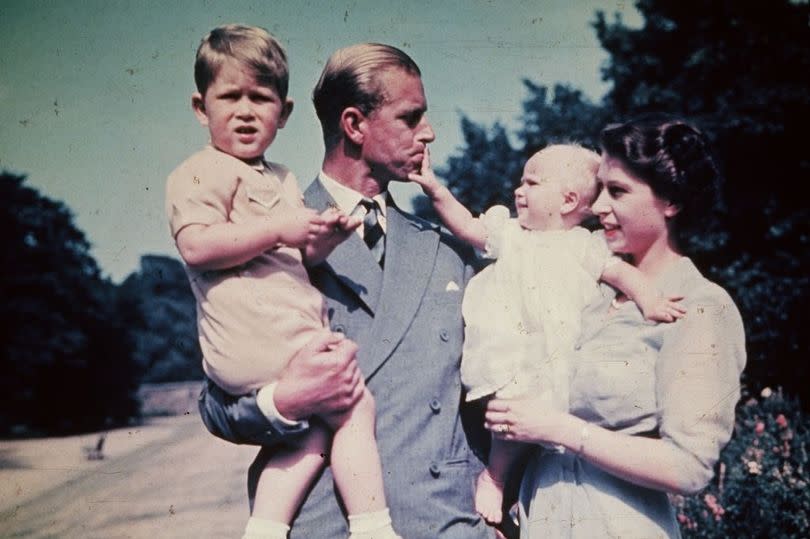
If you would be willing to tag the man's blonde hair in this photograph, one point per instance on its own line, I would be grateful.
(351, 79)
(253, 47)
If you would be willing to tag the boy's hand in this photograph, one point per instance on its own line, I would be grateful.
(296, 226)
(660, 308)
(335, 227)
(425, 177)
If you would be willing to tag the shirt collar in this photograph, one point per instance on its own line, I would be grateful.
(347, 198)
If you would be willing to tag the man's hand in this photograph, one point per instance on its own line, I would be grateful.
(321, 379)
(335, 228)
(296, 226)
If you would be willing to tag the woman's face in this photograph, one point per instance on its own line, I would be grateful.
(633, 217)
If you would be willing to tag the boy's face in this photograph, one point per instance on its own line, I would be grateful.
(241, 115)
(539, 197)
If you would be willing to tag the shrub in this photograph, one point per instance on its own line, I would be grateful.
(760, 488)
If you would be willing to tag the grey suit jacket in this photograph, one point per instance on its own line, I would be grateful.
(408, 325)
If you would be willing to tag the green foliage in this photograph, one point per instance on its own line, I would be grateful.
(66, 360)
(740, 71)
(761, 485)
(159, 308)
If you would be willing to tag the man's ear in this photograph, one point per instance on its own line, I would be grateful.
(352, 121)
(286, 110)
(198, 105)
(570, 202)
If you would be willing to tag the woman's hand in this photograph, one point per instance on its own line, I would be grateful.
(528, 420)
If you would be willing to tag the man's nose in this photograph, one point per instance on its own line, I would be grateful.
(426, 133)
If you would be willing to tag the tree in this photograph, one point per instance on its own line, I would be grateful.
(65, 357)
(740, 70)
(159, 308)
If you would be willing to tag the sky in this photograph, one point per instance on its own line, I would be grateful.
(95, 95)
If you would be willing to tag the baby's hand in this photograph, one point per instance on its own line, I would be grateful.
(425, 177)
(660, 308)
(336, 226)
(296, 226)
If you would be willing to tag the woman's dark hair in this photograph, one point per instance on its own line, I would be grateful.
(673, 157)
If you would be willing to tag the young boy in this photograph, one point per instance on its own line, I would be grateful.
(241, 227)
(522, 313)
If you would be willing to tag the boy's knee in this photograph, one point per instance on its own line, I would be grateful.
(365, 406)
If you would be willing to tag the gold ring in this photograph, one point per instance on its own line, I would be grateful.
(504, 428)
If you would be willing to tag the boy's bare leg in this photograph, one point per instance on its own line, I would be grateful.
(287, 476)
(357, 470)
(490, 484)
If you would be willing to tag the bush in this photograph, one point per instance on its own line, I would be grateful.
(760, 488)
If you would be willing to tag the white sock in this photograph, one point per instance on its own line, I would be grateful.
(262, 528)
(376, 525)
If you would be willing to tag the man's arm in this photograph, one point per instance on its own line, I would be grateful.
(453, 214)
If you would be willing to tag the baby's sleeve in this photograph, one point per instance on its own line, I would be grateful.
(595, 255)
(198, 196)
(495, 221)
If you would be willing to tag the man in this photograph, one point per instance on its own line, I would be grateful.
(395, 289)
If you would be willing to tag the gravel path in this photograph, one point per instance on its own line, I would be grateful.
(167, 479)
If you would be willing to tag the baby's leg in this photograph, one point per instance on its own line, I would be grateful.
(356, 466)
(287, 476)
(490, 484)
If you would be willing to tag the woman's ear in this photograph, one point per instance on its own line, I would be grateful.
(352, 121)
(570, 202)
(671, 210)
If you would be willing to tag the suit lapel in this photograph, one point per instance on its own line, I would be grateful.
(410, 255)
(351, 262)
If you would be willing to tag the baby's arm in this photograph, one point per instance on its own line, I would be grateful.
(637, 287)
(225, 245)
(454, 215)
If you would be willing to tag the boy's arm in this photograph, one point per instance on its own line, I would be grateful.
(337, 226)
(639, 288)
(226, 245)
(453, 214)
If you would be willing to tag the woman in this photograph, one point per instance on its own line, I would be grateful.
(652, 404)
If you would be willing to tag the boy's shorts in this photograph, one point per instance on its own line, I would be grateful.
(238, 419)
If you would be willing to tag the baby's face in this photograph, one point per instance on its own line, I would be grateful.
(539, 197)
(242, 115)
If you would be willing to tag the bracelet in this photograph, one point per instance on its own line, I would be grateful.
(584, 434)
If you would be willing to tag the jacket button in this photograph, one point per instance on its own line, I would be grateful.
(339, 329)
(436, 406)
(434, 470)
(443, 335)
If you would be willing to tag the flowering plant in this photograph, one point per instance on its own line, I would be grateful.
(760, 488)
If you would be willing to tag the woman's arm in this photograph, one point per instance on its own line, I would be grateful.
(697, 385)
(453, 214)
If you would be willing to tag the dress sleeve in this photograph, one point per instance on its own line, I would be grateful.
(495, 221)
(698, 381)
(198, 197)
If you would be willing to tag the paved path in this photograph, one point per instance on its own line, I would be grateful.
(167, 479)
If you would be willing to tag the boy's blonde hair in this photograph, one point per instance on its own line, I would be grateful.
(574, 167)
(252, 46)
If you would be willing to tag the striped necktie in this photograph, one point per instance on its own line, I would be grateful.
(372, 230)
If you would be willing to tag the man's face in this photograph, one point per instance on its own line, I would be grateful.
(396, 134)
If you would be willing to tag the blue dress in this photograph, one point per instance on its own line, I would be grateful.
(678, 382)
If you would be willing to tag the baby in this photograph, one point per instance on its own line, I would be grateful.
(522, 313)
(240, 225)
